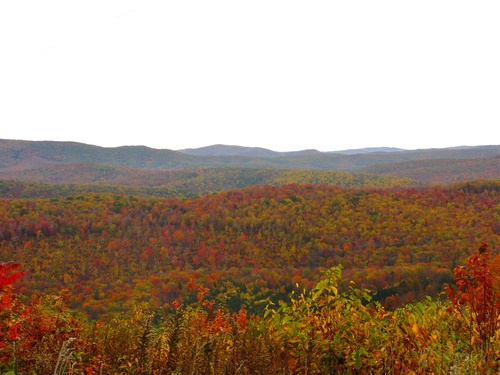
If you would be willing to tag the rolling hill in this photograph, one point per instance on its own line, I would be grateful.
(21, 155)
(76, 179)
(133, 234)
(441, 170)
(111, 249)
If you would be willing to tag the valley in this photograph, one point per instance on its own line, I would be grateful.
(225, 243)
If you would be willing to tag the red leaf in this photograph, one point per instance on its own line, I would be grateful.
(5, 269)
(13, 334)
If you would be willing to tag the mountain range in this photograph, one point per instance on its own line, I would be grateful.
(70, 162)
(19, 155)
(259, 152)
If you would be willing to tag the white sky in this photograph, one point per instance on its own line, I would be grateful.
(284, 75)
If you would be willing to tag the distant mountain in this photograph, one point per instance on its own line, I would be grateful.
(25, 155)
(225, 150)
(367, 150)
(17, 155)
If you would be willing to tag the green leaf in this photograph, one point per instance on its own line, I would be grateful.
(267, 312)
(359, 353)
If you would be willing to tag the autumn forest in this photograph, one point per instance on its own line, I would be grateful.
(114, 269)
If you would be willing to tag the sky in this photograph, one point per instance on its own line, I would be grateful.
(285, 75)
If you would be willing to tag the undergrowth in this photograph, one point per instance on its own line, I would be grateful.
(320, 331)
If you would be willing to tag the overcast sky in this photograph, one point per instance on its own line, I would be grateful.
(285, 75)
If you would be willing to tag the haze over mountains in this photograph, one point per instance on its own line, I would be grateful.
(18, 155)
(226, 150)
(220, 167)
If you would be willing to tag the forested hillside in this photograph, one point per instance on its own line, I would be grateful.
(74, 179)
(246, 245)
(141, 261)
(441, 171)
(22, 155)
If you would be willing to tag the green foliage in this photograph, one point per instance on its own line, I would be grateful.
(327, 332)
(324, 331)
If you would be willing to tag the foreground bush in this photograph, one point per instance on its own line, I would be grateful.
(321, 331)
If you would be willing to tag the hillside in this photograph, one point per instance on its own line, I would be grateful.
(237, 266)
(441, 171)
(188, 182)
(22, 155)
(28, 189)
(248, 244)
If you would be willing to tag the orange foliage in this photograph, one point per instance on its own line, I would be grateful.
(246, 245)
